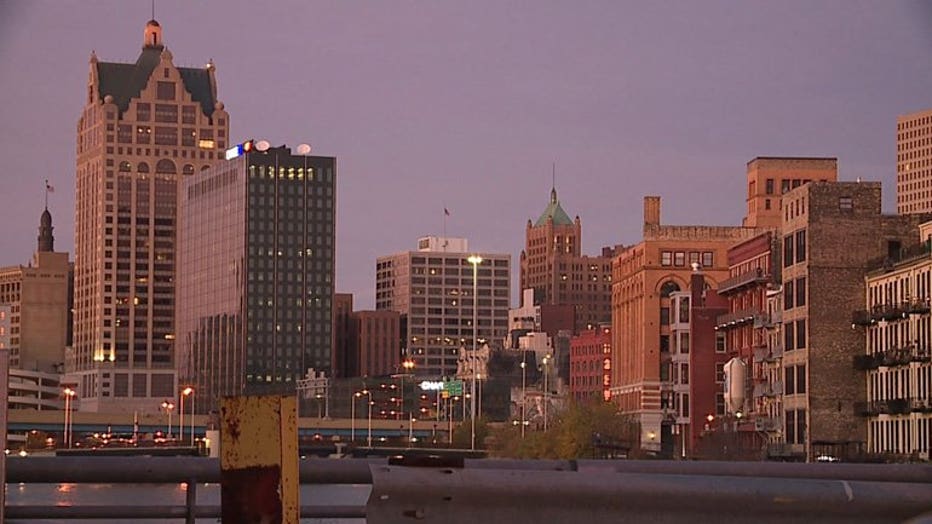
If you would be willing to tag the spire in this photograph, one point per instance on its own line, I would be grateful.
(152, 36)
(553, 183)
(46, 240)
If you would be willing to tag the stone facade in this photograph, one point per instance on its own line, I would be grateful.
(831, 232)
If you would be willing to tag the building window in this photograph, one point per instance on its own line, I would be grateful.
(666, 258)
(720, 338)
(143, 112)
(708, 259)
(693, 257)
(801, 379)
(788, 296)
(800, 333)
(684, 374)
(166, 136)
(789, 380)
(845, 203)
(165, 91)
(784, 186)
(720, 404)
(668, 287)
(188, 114)
(684, 343)
(679, 258)
(664, 316)
(683, 313)
(801, 245)
(788, 251)
(720, 372)
(664, 343)
(801, 291)
(769, 188)
(788, 336)
(767, 204)
(167, 113)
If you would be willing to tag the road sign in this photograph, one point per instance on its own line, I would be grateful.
(453, 387)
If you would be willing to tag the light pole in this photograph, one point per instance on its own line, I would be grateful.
(546, 390)
(353, 416)
(475, 260)
(369, 433)
(523, 393)
(411, 420)
(168, 406)
(407, 365)
(479, 394)
(69, 397)
(184, 393)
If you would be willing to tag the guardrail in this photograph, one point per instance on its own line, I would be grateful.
(452, 491)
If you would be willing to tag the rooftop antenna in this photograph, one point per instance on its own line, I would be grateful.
(153, 9)
(553, 175)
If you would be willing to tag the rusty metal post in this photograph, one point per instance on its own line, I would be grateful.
(259, 460)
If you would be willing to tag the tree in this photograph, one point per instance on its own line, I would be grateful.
(581, 430)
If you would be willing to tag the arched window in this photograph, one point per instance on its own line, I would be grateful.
(142, 167)
(668, 287)
(205, 167)
(188, 169)
(165, 166)
(125, 167)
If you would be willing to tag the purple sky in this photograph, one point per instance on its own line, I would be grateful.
(467, 104)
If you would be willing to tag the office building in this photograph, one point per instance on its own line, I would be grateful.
(644, 276)
(145, 126)
(433, 289)
(37, 306)
(590, 369)
(255, 272)
(914, 163)
(553, 266)
(769, 178)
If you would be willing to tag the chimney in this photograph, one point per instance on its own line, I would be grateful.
(697, 286)
(651, 211)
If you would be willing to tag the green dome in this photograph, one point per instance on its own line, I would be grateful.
(555, 212)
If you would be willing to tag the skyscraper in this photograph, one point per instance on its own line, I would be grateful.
(553, 266)
(914, 163)
(433, 288)
(144, 127)
(255, 272)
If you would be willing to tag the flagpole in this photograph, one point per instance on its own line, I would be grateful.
(46, 193)
(444, 230)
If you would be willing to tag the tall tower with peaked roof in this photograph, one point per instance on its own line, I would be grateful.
(553, 266)
(145, 126)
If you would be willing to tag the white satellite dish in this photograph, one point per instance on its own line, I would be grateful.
(263, 145)
(304, 149)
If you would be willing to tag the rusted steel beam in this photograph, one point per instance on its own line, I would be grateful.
(259, 460)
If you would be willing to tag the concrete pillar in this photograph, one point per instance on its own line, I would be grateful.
(259, 460)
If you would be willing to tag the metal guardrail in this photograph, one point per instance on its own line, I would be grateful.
(470, 490)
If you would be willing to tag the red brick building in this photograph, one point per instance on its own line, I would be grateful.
(591, 364)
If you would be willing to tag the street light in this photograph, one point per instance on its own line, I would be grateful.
(184, 393)
(168, 406)
(408, 365)
(523, 393)
(359, 394)
(69, 397)
(546, 390)
(475, 260)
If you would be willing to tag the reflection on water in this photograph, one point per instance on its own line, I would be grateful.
(69, 494)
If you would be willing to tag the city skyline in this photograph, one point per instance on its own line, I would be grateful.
(676, 98)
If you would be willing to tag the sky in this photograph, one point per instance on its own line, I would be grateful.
(468, 105)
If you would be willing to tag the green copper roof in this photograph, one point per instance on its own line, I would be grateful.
(555, 212)
(125, 81)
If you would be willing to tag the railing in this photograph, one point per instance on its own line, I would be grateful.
(768, 353)
(592, 491)
(768, 389)
(891, 358)
(737, 318)
(898, 406)
(890, 312)
(749, 277)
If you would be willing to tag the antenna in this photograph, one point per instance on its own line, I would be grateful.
(553, 175)
(153, 10)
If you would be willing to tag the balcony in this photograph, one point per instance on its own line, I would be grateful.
(768, 354)
(768, 424)
(892, 358)
(920, 405)
(737, 318)
(768, 389)
(861, 317)
(898, 406)
(749, 278)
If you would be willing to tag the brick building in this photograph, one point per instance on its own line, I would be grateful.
(553, 266)
(754, 273)
(769, 178)
(831, 232)
(643, 277)
(590, 367)
(898, 333)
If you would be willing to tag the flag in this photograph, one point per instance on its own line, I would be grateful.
(446, 211)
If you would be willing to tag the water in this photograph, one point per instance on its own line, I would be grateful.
(67, 494)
